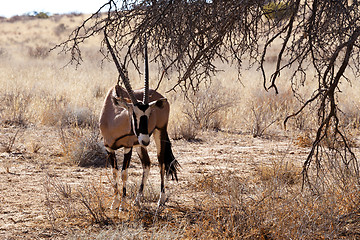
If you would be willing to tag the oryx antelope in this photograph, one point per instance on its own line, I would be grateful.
(128, 119)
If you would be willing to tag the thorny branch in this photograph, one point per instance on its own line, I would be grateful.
(328, 114)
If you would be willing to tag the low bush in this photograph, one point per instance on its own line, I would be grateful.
(38, 52)
(60, 29)
(14, 109)
(203, 108)
(82, 147)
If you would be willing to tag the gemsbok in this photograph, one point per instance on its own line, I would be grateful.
(128, 119)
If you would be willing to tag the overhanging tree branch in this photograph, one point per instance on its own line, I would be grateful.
(319, 40)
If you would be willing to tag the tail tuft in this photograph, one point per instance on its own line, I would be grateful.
(171, 164)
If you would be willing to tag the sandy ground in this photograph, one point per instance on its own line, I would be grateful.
(23, 173)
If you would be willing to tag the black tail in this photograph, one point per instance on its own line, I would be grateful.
(171, 164)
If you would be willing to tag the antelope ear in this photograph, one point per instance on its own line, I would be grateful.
(120, 101)
(127, 100)
(158, 103)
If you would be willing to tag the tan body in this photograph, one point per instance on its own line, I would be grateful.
(115, 122)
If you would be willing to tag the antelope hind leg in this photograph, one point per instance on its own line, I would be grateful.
(115, 171)
(124, 175)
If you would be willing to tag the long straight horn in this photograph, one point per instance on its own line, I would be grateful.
(146, 85)
(121, 72)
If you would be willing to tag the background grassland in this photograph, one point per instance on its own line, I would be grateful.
(42, 80)
(61, 103)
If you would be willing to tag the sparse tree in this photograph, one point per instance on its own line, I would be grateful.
(187, 37)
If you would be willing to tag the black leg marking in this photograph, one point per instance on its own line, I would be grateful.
(126, 163)
(124, 191)
(165, 154)
(114, 166)
(112, 159)
(167, 162)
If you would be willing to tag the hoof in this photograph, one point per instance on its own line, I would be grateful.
(162, 200)
(123, 205)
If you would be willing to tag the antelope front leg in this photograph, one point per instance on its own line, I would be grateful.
(145, 161)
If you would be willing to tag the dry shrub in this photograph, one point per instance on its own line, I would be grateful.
(39, 52)
(265, 111)
(34, 146)
(9, 145)
(185, 131)
(222, 212)
(75, 205)
(203, 108)
(14, 107)
(56, 110)
(279, 173)
(350, 115)
(334, 140)
(20, 107)
(90, 153)
(52, 109)
(99, 92)
(348, 126)
(304, 140)
(59, 29)
(80, 116)
(82, 147)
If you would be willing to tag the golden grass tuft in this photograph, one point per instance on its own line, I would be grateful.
(279, 173)
(304, 140)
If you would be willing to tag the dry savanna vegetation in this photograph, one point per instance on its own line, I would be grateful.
(241, 169)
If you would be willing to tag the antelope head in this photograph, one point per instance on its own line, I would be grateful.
(139, 111)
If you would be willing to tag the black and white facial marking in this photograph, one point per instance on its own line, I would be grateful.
(140, 121)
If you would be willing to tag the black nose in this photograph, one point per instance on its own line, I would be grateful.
(145, 143)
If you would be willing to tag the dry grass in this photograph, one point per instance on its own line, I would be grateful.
(82, 147)
(38, 91)
(271, 205)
